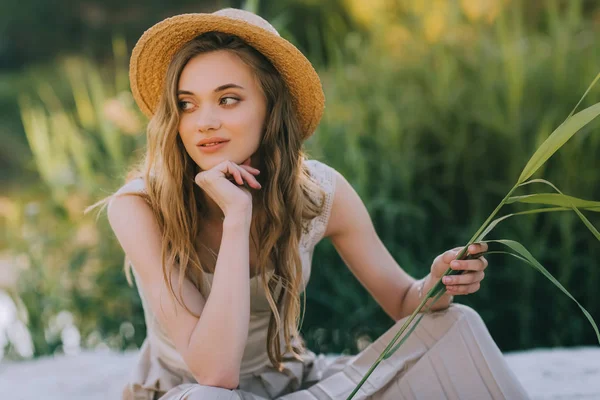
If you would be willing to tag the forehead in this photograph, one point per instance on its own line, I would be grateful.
(206, 71)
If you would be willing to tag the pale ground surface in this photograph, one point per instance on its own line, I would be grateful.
(546, 374)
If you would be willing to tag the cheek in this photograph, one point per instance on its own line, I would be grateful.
(248, 125)
(188, 140)
(186, 133)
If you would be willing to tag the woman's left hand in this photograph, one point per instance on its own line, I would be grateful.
(467, 282)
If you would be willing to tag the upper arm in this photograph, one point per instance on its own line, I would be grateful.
(352, 233)
(138, 233)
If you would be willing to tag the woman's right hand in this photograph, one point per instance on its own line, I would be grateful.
(217, 183)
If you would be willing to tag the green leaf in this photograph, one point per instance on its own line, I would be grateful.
(509, 253)
(586, 222)
(524, 254)
(555, 199)
(389, 353)
(585, 94)
(495, 222)
(390, 348)
(558, 138)
(491, 226)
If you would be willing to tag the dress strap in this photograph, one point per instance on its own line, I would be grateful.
(324, 176)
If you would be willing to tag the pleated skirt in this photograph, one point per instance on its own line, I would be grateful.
(450, 355)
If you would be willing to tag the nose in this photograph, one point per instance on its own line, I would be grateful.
(207, 119)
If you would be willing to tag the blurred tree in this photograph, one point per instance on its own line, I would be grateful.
(35, 31)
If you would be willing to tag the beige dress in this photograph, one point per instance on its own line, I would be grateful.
(449, 356)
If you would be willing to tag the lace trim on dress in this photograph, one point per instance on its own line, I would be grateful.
(324, 176)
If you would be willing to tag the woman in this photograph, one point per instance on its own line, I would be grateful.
(221, 221)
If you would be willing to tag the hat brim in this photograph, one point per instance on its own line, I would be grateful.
(157, 46)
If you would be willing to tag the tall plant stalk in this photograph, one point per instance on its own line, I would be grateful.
(551, 145)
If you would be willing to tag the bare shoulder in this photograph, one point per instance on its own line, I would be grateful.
(126, 204)
(137, 185)
(347, 210)
(133, 221)
(126, 199)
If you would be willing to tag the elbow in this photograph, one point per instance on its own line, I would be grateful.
(400, 311)
(223, 379)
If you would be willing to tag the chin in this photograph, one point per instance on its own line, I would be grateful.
(206, 163)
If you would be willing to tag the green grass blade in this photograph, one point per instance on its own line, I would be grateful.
(554, 199)
(542, 210)
(491, 226)
(509, 253)
(558, 138)
(585, 94)
(384, 353)
(525, 254)
(586, 222)
(495, 222)
(389, 353)
(83, 104)
(486, 224)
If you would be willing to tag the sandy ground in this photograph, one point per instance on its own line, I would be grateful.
(546, 374)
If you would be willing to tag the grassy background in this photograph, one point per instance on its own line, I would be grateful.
(432, 112)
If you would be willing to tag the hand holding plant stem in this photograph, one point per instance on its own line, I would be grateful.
(562, 202)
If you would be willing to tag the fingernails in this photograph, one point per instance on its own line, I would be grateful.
(455, 264)
(447, 279)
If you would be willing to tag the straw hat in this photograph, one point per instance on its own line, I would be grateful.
(157, 46)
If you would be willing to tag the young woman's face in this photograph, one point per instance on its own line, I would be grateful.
(220, 98)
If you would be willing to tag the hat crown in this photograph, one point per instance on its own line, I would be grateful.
(156, 48)
(248, 17)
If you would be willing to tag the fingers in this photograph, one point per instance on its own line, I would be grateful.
(477, 248)
(463, 284)
(450, 255)
(469, 280)
(232, 172)
(474, 249)
(463, 289)
(246, 173)
(250, 169)
(478, 264)
(236, 173)
(464, 279)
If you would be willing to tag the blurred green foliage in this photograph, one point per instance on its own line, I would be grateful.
(432, 132)
(431, 114)
(85, 28)
(83, 131)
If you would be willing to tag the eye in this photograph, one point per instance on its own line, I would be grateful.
(183, 105)
(229, 101)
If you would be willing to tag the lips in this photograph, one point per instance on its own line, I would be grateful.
(211, 144)
(212, 141)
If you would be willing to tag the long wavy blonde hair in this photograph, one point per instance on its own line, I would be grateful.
(288, 201)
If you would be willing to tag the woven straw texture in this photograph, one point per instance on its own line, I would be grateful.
(157, 46)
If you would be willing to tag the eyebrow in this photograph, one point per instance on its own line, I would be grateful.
(219, 89)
